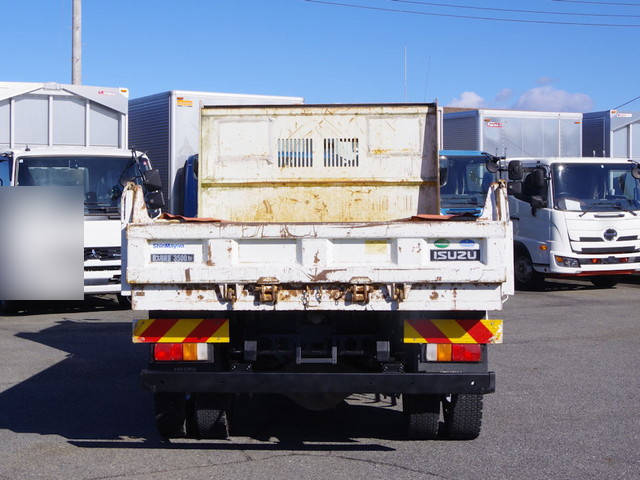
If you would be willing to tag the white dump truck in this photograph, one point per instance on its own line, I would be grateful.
(319, 266)
(73, 135)
(576, 218)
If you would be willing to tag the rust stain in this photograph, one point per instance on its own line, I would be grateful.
(267, 207)
(322, 276)
(316, 258)
(434, 295)
(188, 292)
(200, 297)
(139, 294)
(187, 274)
(210, 261)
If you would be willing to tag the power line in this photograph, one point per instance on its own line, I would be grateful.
(514, 10)
(622, 4)
(472, 17)
(626, 103)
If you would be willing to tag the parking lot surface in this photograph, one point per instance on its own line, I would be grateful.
(566, 404)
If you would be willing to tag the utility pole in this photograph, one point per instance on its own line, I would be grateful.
(76, 38)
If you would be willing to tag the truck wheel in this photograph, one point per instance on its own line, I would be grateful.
(462, 416)
(211, 416)
(170, 413)
(422, 413)
(525, 276)
(604, 282)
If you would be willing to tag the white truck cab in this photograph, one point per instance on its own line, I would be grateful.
(576, 217)
(102, 172)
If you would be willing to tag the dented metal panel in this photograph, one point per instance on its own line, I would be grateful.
(320, 162)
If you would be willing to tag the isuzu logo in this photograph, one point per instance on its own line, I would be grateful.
(610, 234)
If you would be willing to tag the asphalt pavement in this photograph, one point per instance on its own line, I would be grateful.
(566, 404)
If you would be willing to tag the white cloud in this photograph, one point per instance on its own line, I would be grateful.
(468, 100)
(503, 95)
(548, 98)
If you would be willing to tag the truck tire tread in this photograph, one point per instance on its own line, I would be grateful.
(462, 416)
(422, 413)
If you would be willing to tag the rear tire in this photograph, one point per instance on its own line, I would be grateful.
(462, 416)
(170, 412)
(422, 413)
(604, 282)
(211, 416)
(526, 277)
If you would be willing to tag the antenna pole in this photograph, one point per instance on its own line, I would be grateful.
(76, 38)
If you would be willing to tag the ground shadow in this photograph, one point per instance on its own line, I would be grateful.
(94, 398)
(91, 303)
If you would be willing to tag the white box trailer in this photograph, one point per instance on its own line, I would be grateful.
(514, 133)
(55, 134)
(315, 297)
(166, 126)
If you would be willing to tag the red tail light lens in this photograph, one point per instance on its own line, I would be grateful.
(163, 352)
(468, 352)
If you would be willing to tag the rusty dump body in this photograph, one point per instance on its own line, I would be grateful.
(319, 208)
(318, 243)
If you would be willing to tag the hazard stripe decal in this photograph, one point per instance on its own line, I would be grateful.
(452, 331)
(181, 330)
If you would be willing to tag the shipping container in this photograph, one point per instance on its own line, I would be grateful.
(515, 133)
(611, 133)
(53, 114)
(167, 127)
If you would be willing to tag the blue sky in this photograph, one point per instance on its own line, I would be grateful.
(330, 53)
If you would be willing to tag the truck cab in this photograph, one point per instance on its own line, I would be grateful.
(465, 179)
(576, 217)
(101, 172)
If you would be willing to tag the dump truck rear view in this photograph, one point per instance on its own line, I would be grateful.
(318, 267)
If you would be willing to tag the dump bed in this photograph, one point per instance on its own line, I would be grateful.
(319, 208)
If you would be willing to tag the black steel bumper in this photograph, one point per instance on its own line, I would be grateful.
(260, 382)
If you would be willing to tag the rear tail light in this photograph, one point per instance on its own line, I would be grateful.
(177, 352)
(468, 352)
(458, 352)
(164, 352)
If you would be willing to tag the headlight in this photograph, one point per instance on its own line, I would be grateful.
(567, 262)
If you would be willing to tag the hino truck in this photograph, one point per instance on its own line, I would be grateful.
(319, 266)
(73, 135)
(576, 218)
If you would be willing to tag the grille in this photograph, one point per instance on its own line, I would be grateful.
(295, 152)
(105, 253)
(609, 250)
(341, 152)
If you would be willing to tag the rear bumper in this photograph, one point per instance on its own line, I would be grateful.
(276, 382)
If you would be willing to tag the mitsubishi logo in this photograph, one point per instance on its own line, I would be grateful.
(610, 234)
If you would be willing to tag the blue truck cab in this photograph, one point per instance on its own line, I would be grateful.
(465, 178)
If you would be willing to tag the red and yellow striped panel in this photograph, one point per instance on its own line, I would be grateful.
(181, 330)
(452, 331)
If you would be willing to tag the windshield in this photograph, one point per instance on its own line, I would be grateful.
(100, 176)
(466, 182)
(595, 187)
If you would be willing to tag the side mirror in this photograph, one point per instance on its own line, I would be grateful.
(155, 200)
(492, 164)
(539, 180)
(444, 168)
(514, 188)
(151, 180)
(635, 172)
(515, 170)
(537, 201)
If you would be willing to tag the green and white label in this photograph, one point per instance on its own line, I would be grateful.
(441, 243)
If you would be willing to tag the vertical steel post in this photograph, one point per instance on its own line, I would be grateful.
(76, 59)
